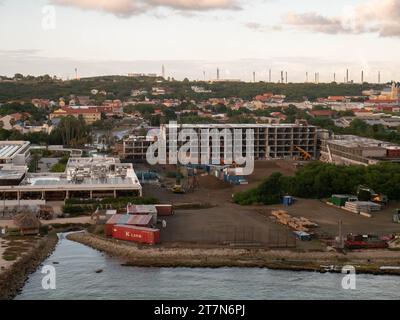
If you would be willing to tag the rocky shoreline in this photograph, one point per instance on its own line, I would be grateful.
(13, 278)
(234, 257)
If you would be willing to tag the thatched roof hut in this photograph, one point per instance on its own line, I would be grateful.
(28, 223)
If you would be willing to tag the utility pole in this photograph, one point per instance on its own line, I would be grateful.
(341, 240)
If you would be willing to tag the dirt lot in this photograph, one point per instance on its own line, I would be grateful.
(228, 222)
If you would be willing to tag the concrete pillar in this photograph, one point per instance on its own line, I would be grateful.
(43, 195)
(91, 194)
(67, 195)
(115, 194)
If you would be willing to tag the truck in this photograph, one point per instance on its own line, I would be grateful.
(368, 241)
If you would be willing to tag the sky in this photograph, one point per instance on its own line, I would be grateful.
(102, 37)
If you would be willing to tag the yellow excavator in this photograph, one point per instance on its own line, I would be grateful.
(306, 155)
(365, 193)
(178, 188)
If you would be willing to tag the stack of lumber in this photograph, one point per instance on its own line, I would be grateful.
(298, 224)
(362, 206)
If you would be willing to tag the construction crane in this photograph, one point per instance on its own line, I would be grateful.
(306, 155)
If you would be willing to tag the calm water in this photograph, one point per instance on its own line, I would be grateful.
(77, 279)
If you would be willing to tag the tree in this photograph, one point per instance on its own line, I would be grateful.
(74, 132)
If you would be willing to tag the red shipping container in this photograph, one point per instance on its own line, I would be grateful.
(124, 219)
(393, 153)
(165, 210)
(136, 234)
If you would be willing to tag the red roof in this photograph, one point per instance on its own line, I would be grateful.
(382, 101)
(322, 113)
(336, 98)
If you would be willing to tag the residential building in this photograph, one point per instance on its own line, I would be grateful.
(89, 114)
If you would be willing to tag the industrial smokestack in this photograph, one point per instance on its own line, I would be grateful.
(306, 77)
(362, 76)
(254, 76)
(217, 73)
(270, 75)
(286, 77)
(347, 76)
(379, 77)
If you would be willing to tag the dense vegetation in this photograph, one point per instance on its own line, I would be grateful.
(119, 87)
(320, 180)
(61, 166)
(11, 108)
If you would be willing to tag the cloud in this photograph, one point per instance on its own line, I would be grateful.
(315, 22)
(19, 52)
(373, 16)
(127, 8)
(262, 27)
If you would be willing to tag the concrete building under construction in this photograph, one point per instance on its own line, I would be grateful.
(134, 148)
(354, 150)
(271, 141)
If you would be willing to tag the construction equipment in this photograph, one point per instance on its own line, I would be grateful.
(396, 216)
(178, 189)
(306, 155)
(365, 193)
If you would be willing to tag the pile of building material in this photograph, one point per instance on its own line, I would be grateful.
(340, 200)
(298, 224)
(395, 242)
(362, 206)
